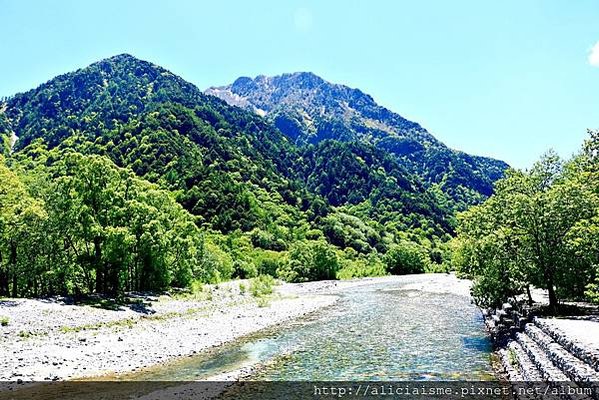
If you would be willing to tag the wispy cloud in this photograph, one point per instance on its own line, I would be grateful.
(594, 55)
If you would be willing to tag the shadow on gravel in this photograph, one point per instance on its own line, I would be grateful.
(137, 302)
(8, 303)
(571, 310)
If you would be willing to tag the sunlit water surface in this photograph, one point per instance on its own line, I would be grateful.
(375, 332)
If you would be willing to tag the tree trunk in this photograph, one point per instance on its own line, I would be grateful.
(98, 264)
(3, 279)
(13, 263)
(530, 301)
(552, 295)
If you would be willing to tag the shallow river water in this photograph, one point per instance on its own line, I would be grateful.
(381, 331)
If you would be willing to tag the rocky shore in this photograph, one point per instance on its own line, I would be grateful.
(50, 339)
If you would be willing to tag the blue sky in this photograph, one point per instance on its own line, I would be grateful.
(506, 79)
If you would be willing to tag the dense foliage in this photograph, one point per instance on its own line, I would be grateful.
(309, 109)
(540, 228)
(77, 224)
(126, 177)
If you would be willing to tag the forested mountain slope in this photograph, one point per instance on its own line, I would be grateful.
(105, 153)
(309, 109)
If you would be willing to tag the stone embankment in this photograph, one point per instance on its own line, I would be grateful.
(555, 351)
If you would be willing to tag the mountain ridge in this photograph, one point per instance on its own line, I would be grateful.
(193, 140)
(259, 202)
(309, 109)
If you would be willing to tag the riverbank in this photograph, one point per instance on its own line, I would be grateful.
(49, 339)
(535, 347)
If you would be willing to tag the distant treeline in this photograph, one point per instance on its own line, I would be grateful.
(78, 224)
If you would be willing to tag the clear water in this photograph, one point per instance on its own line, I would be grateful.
(375, 332)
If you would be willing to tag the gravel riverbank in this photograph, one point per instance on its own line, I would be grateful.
(51, 340)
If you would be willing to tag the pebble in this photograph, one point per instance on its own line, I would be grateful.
(103, 355)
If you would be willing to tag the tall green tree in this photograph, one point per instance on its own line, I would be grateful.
(523, 234)
(20, 219)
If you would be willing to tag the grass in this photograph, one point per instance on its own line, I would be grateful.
(262, 288)
(4, 321)
(30, 334)
(512, 358)
(262, 285)
(263, 302)
(130, 322)
(198, 292)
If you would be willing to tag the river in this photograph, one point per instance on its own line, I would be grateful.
(381, 331)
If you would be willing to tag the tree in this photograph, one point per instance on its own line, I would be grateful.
(310, 261)
(523, 234)
(20, 219)
(406, 258)
(80, 224)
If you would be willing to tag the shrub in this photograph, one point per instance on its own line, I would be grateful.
(244, 270)
(216, 265)
(437, 268)
(310, 261)
(267, 262)
(360, 268)
(592, 292)
(266, 240)
(406, 258)
(4, 321)
(262, 285)
(314, 234)
(262, 302)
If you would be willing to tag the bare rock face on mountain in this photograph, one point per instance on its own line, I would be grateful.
(309, 109)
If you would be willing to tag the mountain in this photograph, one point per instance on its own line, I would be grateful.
(309, 109)
(231, 168)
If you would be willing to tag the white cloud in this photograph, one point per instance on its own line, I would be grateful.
(594, 55)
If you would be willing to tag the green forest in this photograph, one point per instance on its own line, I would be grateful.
(540, 229)
(125, 177)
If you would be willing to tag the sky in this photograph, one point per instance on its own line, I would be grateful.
(507, 79)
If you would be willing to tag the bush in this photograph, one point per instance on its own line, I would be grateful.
(406, 258)
(216, 264)
(266, 240)
(592, 292)
(314, 234)
(310, 261)
(4, 321)
(437, 268)
(262, 285)
(197, 292)
(267, 262)
(244, 270)
(360, 268)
